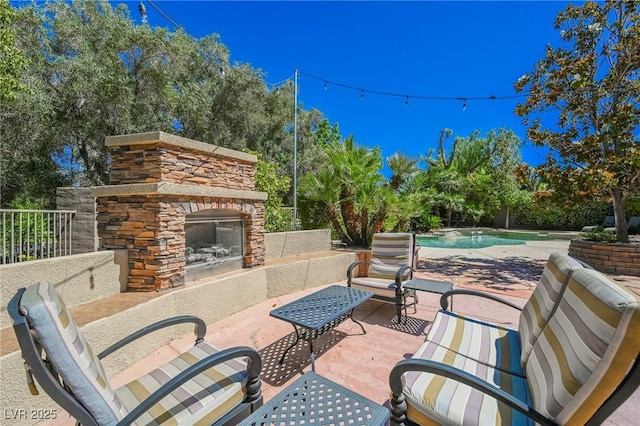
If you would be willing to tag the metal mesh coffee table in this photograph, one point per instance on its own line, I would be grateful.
(316, 400)
(318, 312)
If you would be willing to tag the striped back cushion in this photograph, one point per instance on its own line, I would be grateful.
(390, 252)
(586, 348)
(538, 309)
(69, 352)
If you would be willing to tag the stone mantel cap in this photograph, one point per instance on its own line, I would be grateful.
(178, 141)
(164, 188)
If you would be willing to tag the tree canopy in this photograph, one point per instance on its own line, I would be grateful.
(93, 72)
(583, 104)
(12, 61)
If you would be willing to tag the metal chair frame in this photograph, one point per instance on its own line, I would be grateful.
(41, 368)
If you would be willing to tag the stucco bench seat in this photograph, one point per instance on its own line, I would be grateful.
(573, 359)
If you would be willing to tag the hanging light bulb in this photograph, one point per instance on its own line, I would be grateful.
(362, 95)
(221, 71)
(464, 105)
(326, 86)
(406, 102)
(143, 12)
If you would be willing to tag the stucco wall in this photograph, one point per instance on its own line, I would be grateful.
(80, 278)
(85, 230)
(281, 244)
(210, 300)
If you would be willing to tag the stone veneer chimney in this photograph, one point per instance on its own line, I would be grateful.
(156, 180)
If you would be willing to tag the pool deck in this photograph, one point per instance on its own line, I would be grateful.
(362, 362)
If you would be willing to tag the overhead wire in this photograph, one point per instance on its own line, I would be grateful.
(408, 96)
(361, 90)
(218, 57)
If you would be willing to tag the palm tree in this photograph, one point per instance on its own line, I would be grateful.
(402, 166)
(323, 187)
(351, 186)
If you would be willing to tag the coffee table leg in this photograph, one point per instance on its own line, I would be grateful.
(313, 357)
(292, 345)
(357, 322)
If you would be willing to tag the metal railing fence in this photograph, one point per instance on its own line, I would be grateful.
(35, 234)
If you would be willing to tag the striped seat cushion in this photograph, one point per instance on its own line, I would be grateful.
(538, 309)
(433, 399)
(378, 286)
(69, 352)
(200, 401)
(492, 345)
(389, 253)
(586, 348)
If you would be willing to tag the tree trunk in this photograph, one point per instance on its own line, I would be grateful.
(333, 217)
(348, 212)
(506, 220)
(619, 207)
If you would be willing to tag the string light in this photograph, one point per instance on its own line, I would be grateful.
(363, 90)
(406, 102)
(143, 12)
(326, 86)
(464, 105)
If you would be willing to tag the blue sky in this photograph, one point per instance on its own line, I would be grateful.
(452, 49)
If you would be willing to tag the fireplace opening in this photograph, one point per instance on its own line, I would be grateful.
(214, 243)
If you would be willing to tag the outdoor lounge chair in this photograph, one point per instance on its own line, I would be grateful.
(633, 225)
(608, 222)
(201, 386)
(391, 265)
(574, 359)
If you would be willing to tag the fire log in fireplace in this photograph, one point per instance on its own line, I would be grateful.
(214, 241)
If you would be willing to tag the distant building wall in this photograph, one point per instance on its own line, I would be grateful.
(501, 217)
(85, 230)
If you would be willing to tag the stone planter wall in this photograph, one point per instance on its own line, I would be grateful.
(612, 258)
(363, 269)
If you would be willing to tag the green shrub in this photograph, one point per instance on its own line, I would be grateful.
(599, 235)
(544, 214)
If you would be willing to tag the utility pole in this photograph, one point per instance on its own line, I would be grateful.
(295, 149)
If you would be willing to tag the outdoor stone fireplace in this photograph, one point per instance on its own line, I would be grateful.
(183, 209)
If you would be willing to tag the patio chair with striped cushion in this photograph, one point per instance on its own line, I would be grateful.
(391, 265)
(201, 386)
(581, 367)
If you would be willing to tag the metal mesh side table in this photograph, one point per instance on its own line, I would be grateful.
(431, 286)
(316, 400)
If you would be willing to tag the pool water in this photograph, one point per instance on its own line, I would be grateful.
(467, 242)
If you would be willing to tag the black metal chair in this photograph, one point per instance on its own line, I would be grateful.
(204, 384)
(391, 265)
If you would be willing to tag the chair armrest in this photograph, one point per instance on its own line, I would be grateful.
(399, 274)
(254, 365)
(444, 302)
(399, 406)
(352, 267)
(201, 330)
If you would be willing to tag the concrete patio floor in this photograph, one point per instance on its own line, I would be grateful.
(362, 362)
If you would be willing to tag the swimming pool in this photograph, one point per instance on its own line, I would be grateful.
(480, 239)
